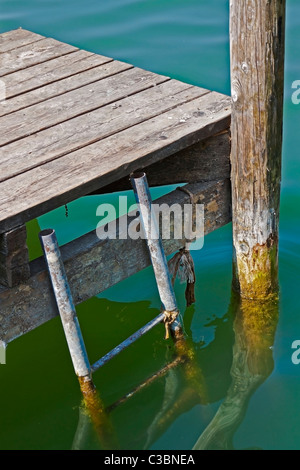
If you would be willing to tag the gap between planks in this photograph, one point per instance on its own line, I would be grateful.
(14, 39)
(71, 104)
(34, 151)
(62, 86)
(85, 170)
(32, 54)
(58, 69)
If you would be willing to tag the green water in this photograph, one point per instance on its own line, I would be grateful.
(39, 395)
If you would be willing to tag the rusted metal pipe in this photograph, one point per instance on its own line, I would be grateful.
(127, 342)
(158, 258)
(65, 305)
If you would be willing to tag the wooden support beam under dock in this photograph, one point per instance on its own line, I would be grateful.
(94, 265)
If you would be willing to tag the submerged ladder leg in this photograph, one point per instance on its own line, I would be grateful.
(158, 258)
(67, 310)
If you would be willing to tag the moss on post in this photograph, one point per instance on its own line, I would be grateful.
(256, 275)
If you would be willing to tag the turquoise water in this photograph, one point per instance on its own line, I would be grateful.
(39, 396)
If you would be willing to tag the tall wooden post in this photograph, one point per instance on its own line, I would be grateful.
(257, 31)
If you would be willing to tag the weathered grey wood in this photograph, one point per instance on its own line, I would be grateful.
(47, 145)
(73, 103)
(51, 71)
(14, 262)
(32, 54)
(17, 38)
(207, 160)
(83, 171)
(58, 88)
(257, 72)
(93, 265)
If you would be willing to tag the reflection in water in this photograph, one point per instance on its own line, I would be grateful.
(184, 388)
(255, 326)
(189, 381)
(92, 414)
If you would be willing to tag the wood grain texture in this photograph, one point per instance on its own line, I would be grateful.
(74, 103)
(14, 262)
(50, 144)
(93, 265)
(207, 160)
(85, 170)
(57, 89)
(38, 76)
(257, 40)
(32, 54)
(17, 38)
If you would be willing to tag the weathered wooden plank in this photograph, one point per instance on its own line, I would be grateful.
(48, 72)
(208, 160)
(53, 90)
(14, 262)
(17, 38)
(83, 171)
(71, 104)
(257, 71)
(47, 145)
(32, 54)
(93, 266)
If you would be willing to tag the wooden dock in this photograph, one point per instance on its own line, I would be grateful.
(75, 123)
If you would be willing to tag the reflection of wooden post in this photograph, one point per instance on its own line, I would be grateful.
(257, 31)
(255, 326)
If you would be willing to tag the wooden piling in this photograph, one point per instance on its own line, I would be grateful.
(257, 31)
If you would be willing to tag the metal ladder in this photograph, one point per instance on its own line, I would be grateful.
(65, 304)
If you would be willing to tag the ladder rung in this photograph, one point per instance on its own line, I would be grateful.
(127, 342)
